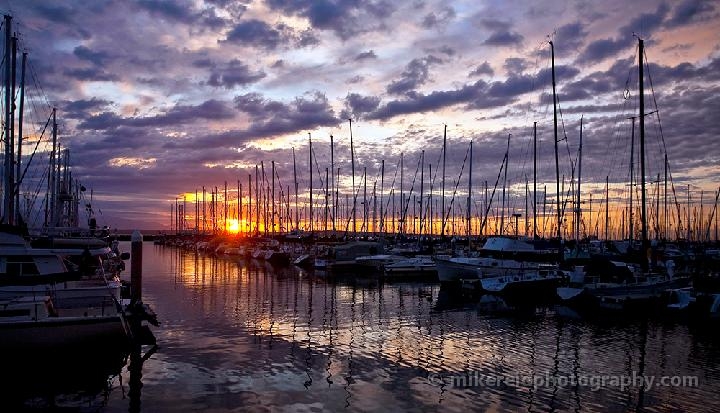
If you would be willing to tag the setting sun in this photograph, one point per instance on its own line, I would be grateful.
(231, 225)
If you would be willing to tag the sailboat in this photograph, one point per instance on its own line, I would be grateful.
(46, 300)
(614, 284)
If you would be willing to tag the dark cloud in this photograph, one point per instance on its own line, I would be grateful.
(255, 33)
(90, 74)
(174, 10)
(642, 25)
(370, 54)
(259, 34)
(504, 38)
(234, 74)
(439, 18)
(515, 65)
(600, 50)
(501, 33)
(482, 69)
(419, 103)
(345, 18)
(178, 114)
(272, 117)
(357, 106)
(415, 74)
(97, 58)
(80, 109)
(689, 11)
(646, 23)
(572, 36)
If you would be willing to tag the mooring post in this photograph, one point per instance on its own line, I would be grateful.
(136, 247)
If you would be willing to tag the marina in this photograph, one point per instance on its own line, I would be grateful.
(246, 334)
(359, 206)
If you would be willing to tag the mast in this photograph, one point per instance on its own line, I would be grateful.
(442, 223)
(402, 195)
(332, 184)
(239, 206)
(297, 216)
(8, 164)
(327, 177)
(643, 213)
(365, 204)
(632, 179)
(18, 163)
(665, 207)
(422, 184)
(311, 181)
(607, 205)
(382, 188)
(272, 207)
(257, 202)
(578, 212)
(352, 166)
(534, 180)
(557, 160)
(507, 163)
(249, 207)
(469, 198)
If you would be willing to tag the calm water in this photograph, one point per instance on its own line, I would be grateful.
(243, 336)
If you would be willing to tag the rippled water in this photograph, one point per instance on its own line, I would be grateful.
(244, 336)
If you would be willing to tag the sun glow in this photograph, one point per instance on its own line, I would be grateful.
(232, 225)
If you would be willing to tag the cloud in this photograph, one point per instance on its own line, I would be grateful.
(235, 73)
(178, 114)
(82, 108)
(97, 58)
(356, 105)
(255, 33)
(346, 18)
(482, 69)
(259, 34)
(174, 10)
(438, 19)
(370, 54)
(415, 74)
(500, 35)
(90, 74)
(689, 11)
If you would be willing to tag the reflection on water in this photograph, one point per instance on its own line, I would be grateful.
(242, 335)
(245, 334)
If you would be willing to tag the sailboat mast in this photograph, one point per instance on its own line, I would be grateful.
(632, 179)
(352, 167)
(422, 184)
(607, 205)
(555, 134)
(297, 216)
(469, 198)
(8, 182)
(402, 195)
(507, 163)
(643, 212)
(534, 203)
(578, 212)
(442, 214)
(332, 183)
(382, 189)
(18, 163)
(311, 180)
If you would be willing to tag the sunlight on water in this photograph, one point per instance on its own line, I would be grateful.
(244, 335)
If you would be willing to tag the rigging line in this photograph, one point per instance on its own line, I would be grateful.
(492, 196)
(27, 164)
(405, 204)
(457, 183)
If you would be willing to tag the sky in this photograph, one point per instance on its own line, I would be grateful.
(157, 98)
